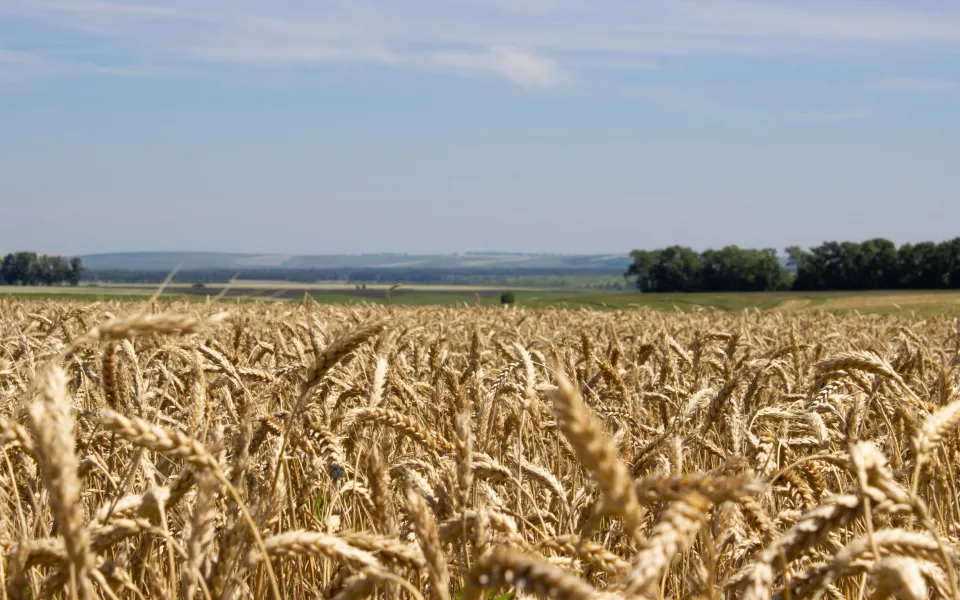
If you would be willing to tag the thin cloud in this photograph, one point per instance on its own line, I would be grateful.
(735, 103)
(527, 42)
(15, 58)
(17, 66)
(128, 70)
(855, 114)
(918, 85)
(819, 20)
(93, 6)
(517, 65)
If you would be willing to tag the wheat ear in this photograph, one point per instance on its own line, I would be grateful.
(678, 525)
(426, 527)
(174, 443)
(504, 566)
(52, 424)
(598, 455)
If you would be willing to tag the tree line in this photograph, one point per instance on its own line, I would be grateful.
(873, 264)
(30, 268)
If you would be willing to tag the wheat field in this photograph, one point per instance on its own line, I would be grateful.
(175, 450)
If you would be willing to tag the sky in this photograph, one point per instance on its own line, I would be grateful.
(427, 126)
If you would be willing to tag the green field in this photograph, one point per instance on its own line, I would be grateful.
(920, 302)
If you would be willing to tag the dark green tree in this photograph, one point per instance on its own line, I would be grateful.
(829, 266)
(878, 265)
(768, 272)
(21, 268)
(951, 254)
(75, 271)
(643, 261)
(677, 269)
(51, 270)
(801, 261)
(722, 269)
(735, 269)
(6, 271)
(873, 264)
(924, 266)
(29, 268)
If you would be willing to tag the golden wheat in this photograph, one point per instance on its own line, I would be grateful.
(169, 450)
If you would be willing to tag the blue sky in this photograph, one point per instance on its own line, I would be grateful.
(452, 125)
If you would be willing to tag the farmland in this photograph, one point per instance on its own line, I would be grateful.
(175, 449)
(909, 301)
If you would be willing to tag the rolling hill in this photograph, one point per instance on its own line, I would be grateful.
(165, 261)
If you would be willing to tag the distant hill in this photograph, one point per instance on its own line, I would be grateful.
(166, 261)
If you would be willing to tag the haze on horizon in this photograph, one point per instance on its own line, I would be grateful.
(561, 126)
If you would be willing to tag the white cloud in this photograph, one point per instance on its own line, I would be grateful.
(515, 64)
